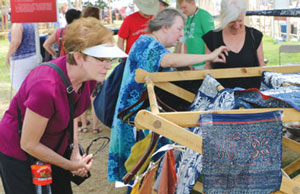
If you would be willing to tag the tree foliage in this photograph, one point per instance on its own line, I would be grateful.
(99, 3)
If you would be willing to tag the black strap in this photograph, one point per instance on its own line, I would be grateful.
(60, 40)
(69, 90)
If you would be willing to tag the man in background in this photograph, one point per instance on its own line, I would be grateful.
(135, 24)
(198, 23)
(163, 5)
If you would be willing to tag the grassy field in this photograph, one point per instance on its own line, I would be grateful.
(4, 72)
(271, 52)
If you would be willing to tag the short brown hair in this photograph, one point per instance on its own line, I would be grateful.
(188, 1)
(84, 33)
(91, 11)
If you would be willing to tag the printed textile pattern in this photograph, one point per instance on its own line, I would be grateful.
(272, 86)
(241, 152)
(209, 98)
(253, 98)
(273, 80)
(146, 53)
(189, 164)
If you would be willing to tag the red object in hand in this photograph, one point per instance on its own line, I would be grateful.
(41, 174)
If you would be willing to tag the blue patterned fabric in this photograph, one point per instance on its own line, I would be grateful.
(253, 98)
(189, 165)
(146, 53)
(272, 86)
(209, 98)
(272, 80)
(241, 152)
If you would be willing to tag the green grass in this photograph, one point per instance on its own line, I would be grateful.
(4, 72)
(271, 52)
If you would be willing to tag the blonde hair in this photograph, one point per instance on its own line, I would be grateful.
(230, 11)
(84, 33)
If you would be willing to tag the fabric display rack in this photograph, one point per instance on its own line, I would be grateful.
(174, 125)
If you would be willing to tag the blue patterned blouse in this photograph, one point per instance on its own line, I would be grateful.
(146, 53)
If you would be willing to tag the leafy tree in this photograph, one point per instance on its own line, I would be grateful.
(100, 3)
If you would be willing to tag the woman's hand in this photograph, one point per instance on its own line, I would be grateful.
(82, 164)
(218, 55)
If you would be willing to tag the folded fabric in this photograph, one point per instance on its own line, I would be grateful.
(137, 151)
(241, 152)
(209, 98)
(148, 182)
(253, 98)
(168, 177)
(273, 80)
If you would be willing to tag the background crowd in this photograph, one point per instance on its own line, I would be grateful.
(154, 38)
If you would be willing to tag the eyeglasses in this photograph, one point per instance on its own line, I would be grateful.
(111, 60)
(97, 145)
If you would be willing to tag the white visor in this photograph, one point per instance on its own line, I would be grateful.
(105, 51)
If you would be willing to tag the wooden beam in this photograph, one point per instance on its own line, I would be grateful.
(152, 97)
(289, 186)
(291, 144)
(148, 120)
(198, 187)
(190, 119)
(293, 167)
(216, 73)
(297, 178)
(176, 90)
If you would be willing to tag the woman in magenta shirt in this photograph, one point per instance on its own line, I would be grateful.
(43, 102)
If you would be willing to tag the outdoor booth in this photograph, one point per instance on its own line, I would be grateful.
(176, 126)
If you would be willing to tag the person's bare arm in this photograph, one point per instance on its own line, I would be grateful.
(260, 55)
(182, 60)
(120, 43)
(48, 44)
(34, 126)
(16, 40)
(208, 63)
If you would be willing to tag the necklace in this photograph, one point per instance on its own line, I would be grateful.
(192, 17)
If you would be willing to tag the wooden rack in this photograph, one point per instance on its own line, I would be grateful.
(172, 124)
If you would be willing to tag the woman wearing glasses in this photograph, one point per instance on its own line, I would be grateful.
(43, 104)
(149, 53)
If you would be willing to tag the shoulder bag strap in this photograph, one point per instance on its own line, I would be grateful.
(60, 40)
(69, 90)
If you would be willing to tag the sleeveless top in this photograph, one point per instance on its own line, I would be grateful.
(60, 34)
(246, 57)
(27, 46)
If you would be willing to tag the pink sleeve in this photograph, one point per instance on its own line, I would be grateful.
(42, 98)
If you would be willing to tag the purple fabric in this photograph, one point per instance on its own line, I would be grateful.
(44, 93)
